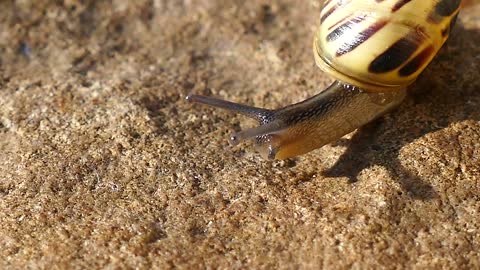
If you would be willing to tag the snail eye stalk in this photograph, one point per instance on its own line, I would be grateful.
(253, 112)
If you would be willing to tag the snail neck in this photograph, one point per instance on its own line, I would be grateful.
(323, 118)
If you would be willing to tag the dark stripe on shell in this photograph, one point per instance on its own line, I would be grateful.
(399, 5)
(339, 22)
(328, 13)
(446, 8)
(326, 3)
(396, 54)
(417, 62)
(348, 25)
(443, 8)
(434, 18)
(361, 37)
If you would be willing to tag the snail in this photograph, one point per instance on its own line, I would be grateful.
(374, 49)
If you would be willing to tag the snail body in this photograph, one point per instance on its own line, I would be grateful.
(374, 49)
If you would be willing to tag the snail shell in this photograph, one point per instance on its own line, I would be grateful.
(373, 49)
(381, 45)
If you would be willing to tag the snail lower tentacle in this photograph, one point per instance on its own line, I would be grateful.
(299, 128)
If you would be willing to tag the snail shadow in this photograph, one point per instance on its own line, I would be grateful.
(447, 92)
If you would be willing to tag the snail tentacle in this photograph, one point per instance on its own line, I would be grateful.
(249, 111)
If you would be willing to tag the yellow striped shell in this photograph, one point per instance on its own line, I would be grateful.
(381, 45)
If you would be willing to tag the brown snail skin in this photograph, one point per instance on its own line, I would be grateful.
(374, 49)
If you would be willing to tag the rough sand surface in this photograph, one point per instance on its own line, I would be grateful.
(104, 164)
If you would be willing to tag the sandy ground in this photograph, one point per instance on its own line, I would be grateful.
(104, 164)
